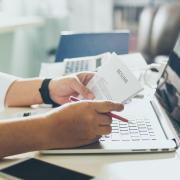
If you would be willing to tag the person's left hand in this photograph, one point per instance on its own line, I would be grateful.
(60, 89)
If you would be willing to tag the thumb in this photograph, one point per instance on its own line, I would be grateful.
(82, 90)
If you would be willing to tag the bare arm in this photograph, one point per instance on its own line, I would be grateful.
(18, 136)
(68, 126)
(71, 125)
(24, 93)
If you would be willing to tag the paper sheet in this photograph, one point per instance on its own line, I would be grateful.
(51, 70)
(134, 61)
(114, 81)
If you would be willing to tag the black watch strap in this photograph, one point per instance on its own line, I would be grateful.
(44, 91)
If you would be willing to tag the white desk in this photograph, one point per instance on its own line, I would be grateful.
(89, 164)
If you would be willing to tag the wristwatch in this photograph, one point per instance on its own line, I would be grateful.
(44, 91)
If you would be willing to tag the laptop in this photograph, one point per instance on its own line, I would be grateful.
(155, 123)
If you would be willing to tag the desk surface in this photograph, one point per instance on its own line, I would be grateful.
(89, 164)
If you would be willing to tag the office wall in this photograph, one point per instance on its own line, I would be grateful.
(18, 54)
(90, 15)
(6, 45)
(23, 49)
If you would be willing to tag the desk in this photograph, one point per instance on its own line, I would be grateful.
(89, 164)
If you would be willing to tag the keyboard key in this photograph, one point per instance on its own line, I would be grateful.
(115, 137)
(137, 130)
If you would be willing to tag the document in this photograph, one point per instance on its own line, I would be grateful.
(51, 70)
(73, 65)
(114, 81)
(134, 61)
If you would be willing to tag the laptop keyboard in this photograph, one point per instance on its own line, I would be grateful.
(76, 66)
(135, 130)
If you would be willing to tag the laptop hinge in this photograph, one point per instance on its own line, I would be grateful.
(177, 143)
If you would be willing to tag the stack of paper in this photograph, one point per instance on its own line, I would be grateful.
(135, 62)
(73, 65)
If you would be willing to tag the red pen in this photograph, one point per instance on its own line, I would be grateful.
(72, 98)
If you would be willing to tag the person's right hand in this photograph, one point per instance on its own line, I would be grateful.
(79, 123)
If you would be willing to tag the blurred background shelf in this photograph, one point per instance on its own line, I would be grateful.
(30, 30)
(11, 24)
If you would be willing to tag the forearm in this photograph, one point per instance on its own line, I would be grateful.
(19, 136)
(24, 93)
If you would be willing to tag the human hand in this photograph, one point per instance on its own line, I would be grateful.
(60, 89)
(79, 123)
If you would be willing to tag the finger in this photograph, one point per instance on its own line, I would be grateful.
(85, 77)
(103, 130)
(82, 90)
(104, 120)
(107, 106)
(96, 138)
(64, 99)
(90, 141)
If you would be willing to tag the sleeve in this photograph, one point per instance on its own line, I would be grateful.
(5, 82)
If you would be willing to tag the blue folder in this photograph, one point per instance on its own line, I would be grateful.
(90, 44)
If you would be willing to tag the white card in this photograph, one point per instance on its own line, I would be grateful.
(114, 81)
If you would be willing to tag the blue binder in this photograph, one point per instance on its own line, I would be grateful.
(90, 44)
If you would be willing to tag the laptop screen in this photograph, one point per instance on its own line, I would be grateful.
(168, 91)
